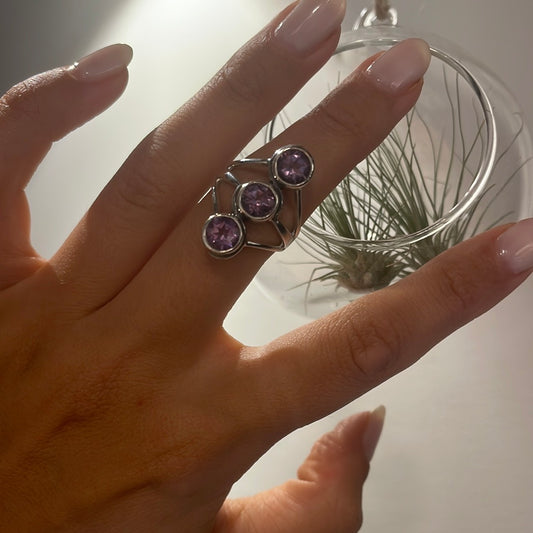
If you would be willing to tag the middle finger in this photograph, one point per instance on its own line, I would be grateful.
(339, 133)
(168, 172)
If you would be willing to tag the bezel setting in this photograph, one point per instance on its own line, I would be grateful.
(236, 243)
(279, 159)
(275, 197)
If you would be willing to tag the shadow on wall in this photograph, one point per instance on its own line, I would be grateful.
(37, 36)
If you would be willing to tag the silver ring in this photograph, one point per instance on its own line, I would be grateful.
(225, 232)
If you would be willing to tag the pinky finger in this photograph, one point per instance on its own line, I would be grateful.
(34, 114)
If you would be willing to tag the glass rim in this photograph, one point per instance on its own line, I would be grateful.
(370, 37)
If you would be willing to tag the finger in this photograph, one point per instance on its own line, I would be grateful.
(33, 115)
(327, 496)
(43, 109)
(328, 363)
(172, 167)
(365, 110)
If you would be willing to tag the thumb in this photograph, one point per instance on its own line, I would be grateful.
(327, 496)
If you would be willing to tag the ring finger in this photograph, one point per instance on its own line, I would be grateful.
(169, 171)
(339, 133)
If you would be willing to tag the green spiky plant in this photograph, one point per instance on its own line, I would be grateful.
(390, 194)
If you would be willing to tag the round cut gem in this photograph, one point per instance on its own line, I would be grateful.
(294, 167)
(223, 233)
(258, 200)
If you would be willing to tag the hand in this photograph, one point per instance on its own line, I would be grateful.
(124, 406)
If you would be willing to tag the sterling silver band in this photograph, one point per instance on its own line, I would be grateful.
(225, 232)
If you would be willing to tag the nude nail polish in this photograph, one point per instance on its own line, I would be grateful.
(400, 67)
(310, 23)
(102, 64)
(373, 431)
(515, 247)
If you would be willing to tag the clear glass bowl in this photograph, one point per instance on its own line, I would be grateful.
(459, 164)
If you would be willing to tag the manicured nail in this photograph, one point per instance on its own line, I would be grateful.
(102, 64)
(310, 23)
(400, 67)
(515, 246)
(373, 431)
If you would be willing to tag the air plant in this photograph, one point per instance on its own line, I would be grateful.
(392, 193)
(356, 269)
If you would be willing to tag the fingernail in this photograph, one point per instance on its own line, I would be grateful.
(310, 23)
(515, 246)
(373, 431)
(102, 64)
(401, 66)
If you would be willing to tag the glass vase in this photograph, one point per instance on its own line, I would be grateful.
(458, 164)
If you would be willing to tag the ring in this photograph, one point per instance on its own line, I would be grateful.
(225, 232)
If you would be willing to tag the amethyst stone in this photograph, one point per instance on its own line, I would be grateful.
(223, 233)
(258, 200)
(294, 167)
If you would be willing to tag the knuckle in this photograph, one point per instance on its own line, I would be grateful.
(41, 107)
(243, 85)
(373, 349)
(338, 121)
(142, 185)
(328, 445)
(458, 287)
(137, 190)
(21, 101)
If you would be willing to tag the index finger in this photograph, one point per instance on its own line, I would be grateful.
(162, 180)
(322, 366)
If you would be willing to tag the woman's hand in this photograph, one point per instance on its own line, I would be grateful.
(124, 406)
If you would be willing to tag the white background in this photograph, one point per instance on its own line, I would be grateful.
(457, 450)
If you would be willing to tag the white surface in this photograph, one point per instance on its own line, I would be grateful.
(457, 450)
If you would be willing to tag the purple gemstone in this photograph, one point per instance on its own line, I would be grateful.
(258, 200)
(294, 167)
(222, 233)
